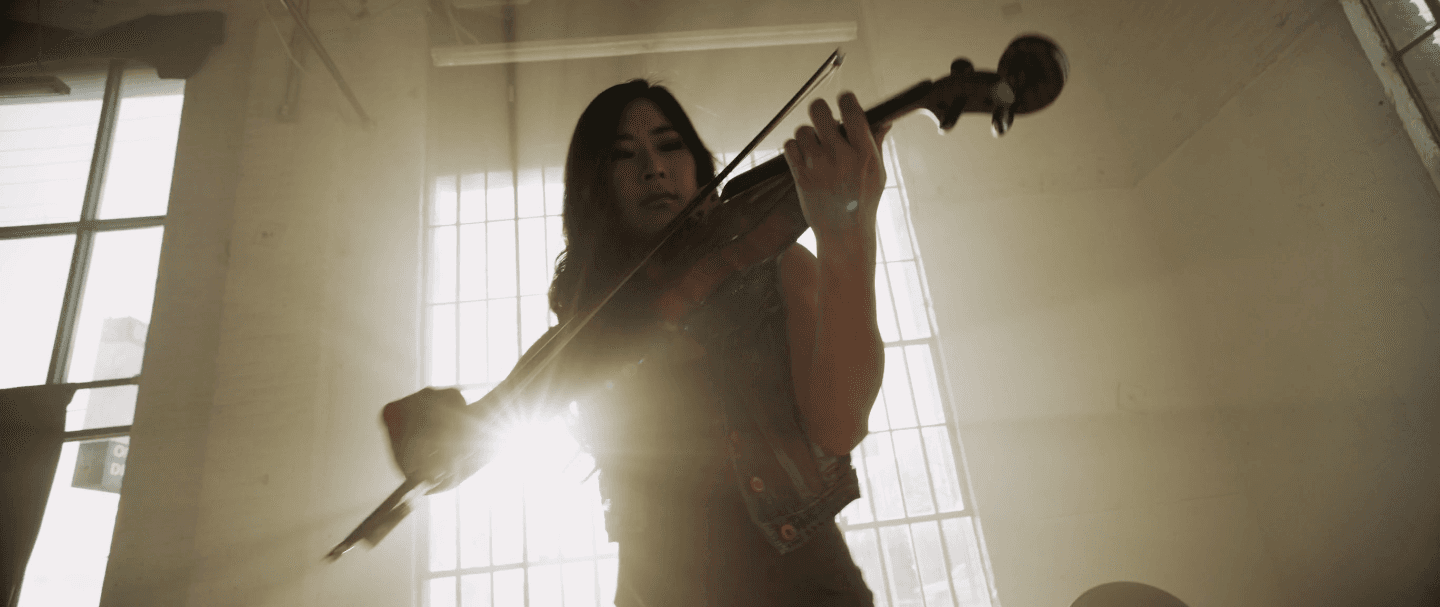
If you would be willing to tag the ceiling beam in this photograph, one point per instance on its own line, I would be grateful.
(661, 42)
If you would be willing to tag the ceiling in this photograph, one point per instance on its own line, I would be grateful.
(1144, 74)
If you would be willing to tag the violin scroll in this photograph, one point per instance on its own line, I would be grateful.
(1031, 72)
(1035, 70)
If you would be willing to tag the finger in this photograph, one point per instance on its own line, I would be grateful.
(825, 125)
(811, 147)
(796, 158)
(882, 132)
(793, 156)
(857, 128)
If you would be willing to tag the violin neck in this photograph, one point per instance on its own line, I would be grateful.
(899, 105)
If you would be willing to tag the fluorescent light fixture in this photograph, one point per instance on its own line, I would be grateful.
(662, 42)
(32, 86)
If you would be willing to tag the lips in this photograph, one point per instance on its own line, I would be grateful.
(659, 200)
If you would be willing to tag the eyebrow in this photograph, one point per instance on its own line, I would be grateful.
(659, 130)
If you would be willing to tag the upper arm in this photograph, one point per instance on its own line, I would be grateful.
(799, 287)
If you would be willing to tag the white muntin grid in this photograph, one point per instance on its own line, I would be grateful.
(534, 535)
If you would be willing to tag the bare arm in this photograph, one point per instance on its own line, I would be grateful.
(837, 355)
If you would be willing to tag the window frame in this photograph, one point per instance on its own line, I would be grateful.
(1387, 59)
(85, 230)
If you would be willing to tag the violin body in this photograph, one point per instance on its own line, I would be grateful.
(755, 218)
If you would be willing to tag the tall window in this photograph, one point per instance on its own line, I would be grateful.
(533, 533)
(84, 185)
(1406, 32)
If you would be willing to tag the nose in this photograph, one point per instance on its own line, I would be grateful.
(654, 168)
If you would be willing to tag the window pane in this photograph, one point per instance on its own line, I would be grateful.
(926, 387)
(442, 264)
(885, 306)
(534, 319)
(442, 592)
(546, 587)
(472, 262)
(503, 337)
(858, 511)
(442, 345)
(554, 242)
(1404, 19)
(884, 480)
(1421, 62)
(534, 270)
(608, 569)
(866, 554)
(942, 468)
(68, 564)
(500, 271)
(807, 240)
(531, 193)
(879, 419)
(896, 387)
(444, 198)
(909, 300)
(473, 367)
(542, 534)
(893, 231)
(577, 527)
(499, 196)
(914, 479)
(507, 534)
(580, 585)
(510, 587)
(45, 152)
(442, 531)
(34, 270)
(900, 564)
(475, 590)
(554, 190)
(930, 560)
(142, 157)
(474, 522)
(472, 198)
(101, 408)
(966, 568)
(115, 308)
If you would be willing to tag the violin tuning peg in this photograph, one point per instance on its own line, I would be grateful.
(961, 67)
(1001, 120)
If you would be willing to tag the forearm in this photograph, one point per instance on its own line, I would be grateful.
(848, 360)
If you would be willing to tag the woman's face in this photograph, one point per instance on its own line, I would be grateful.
(652, 173)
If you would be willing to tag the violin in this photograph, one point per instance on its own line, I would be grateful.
(755, 218)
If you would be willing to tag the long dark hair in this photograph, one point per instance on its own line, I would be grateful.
(596, 247)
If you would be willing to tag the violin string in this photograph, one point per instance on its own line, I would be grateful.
(569, 329)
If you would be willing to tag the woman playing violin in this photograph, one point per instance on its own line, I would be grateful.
(724, 452)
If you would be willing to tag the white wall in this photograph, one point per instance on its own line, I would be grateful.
(1220, 381)
(1304, 237)
(286, 316)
